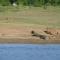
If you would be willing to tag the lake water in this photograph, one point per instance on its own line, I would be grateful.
(29, 52)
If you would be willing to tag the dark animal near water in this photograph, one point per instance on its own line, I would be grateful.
(38, 35)
(48, 32)
(51, 32)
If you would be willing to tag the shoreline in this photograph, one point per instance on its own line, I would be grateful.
(27, 41)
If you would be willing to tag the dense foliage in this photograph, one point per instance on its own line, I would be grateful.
(32, 2)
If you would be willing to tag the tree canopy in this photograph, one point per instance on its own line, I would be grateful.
(32, 2)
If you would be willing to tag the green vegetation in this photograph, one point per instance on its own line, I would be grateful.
(31, 12)
(34, 16)
(32, 2)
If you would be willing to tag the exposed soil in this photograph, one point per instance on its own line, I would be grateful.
(23, 35)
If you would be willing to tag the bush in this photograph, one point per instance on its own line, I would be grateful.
(31, 2)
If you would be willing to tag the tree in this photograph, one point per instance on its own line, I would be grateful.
(45, 3)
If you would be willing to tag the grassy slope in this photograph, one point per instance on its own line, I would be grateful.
(30, 16)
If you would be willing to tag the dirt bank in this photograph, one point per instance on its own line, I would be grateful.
(23, 35)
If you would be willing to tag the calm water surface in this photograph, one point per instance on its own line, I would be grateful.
(29, 52)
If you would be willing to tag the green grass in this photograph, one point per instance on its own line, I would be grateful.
(34, 16)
